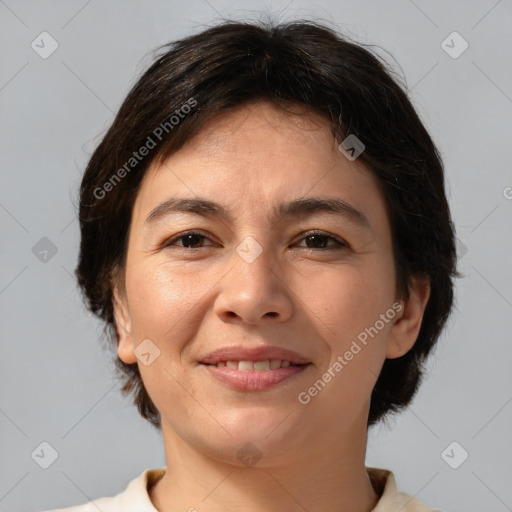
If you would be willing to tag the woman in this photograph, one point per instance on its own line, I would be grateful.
(266, 236)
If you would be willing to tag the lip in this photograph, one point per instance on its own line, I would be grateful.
(260, 353)
(253, 380)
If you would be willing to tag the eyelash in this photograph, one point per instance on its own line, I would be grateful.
(340, 244)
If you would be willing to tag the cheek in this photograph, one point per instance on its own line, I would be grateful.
(165, 308)
(350, 299)
(349, 309)
(355, 337)
(163, 301)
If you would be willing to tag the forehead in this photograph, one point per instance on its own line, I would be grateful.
(253, 122)
(255, 157)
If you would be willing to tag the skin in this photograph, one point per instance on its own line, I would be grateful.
(315, 301)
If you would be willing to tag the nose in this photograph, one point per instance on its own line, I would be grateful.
(255, 292)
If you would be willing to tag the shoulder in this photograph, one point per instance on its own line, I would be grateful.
(134, 498)
(392, 500)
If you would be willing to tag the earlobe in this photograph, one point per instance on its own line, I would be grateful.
(405, 330)
(124, 328)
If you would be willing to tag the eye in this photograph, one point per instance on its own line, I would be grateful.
(189, 240)
(319, 240)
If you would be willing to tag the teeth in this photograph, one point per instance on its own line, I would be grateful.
(275, 364)
(247, 366)
(262, 365)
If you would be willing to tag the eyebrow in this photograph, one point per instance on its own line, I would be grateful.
(300, 207)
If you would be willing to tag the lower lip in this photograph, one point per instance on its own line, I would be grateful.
(253, 380)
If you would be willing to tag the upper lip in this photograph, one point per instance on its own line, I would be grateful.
(260, 353)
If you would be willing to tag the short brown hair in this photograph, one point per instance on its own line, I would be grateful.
(297, 63)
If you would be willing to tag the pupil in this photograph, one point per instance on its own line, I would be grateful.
(318, 241)
(191, 240)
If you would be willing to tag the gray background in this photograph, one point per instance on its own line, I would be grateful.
(56, 383)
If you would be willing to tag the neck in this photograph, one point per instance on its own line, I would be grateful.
(327, 477)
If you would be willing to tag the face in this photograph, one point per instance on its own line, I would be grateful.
(273, 248)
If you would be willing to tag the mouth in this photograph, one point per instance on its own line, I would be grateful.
(255, 369)
(258, 366)
(254, 355)
(244, 375)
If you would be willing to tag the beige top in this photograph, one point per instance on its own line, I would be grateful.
(135, 497)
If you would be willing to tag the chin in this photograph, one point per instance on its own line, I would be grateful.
(260, 434)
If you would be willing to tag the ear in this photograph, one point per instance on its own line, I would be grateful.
(124, 326)
(405, 330)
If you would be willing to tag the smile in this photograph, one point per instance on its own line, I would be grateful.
(247, 366)
(254, 375)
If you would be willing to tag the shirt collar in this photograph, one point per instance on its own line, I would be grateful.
(136, 495)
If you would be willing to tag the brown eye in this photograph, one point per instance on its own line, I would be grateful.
(322, 241)
(189, 240)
